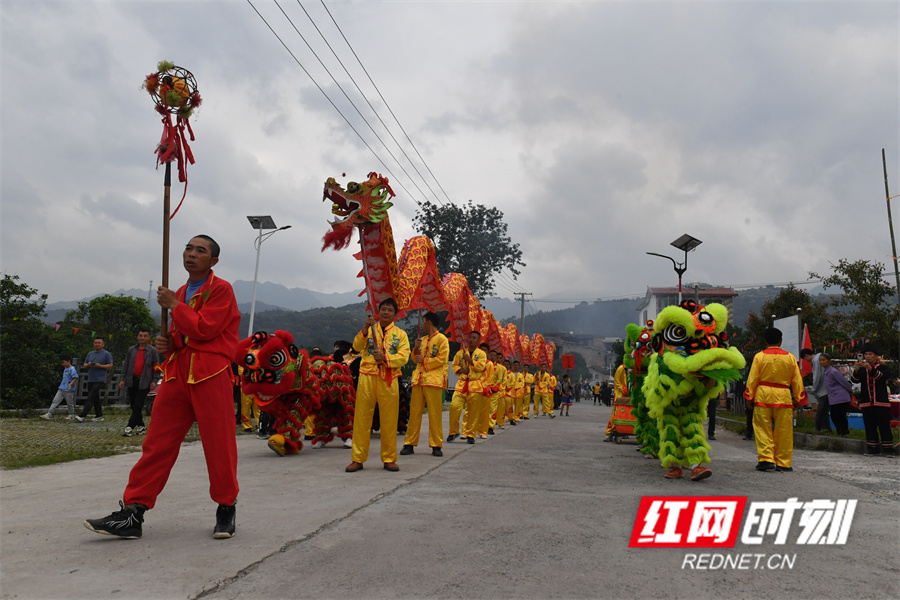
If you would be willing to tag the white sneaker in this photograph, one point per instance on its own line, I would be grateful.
(319, 444)
(46, 416)
(348, 443)
(79, 419)
(128, 432)
(70, 418)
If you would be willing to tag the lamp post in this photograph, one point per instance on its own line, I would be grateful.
(887, 195)
(260, 223)
(685, 243)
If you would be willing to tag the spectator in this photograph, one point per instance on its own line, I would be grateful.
(566, 389)
(98, 362)
(596, 391)
(872, 375)
(66, 391)
(139, 377)
(605, 393)
(839, 396)
(818, 390)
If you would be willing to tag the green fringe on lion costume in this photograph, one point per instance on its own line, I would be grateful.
(691, 364)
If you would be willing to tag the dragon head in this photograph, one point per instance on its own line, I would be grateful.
(357, 204)
(691, 339)
(270, 365)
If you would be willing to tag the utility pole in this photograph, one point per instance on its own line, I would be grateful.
(521, 296)
(887, 195)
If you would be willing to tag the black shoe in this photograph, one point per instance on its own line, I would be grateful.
(407, 449)
(491, 431)
(783, 469)
(470, 440)
(437, 452)
(711, 437)
(125, 523)
(514, 423)
(224, 522)
(765, 466)
(263, 434)
(452, 437)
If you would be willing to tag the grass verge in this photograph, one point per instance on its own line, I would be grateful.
(32, 441)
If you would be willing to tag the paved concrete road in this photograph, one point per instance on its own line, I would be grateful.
(544, 510)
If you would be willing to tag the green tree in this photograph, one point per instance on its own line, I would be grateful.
(471, 240)
(29, 349)
(867, 302)
(813, 313)
(115, 318)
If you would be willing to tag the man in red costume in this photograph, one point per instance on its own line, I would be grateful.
(196, 387)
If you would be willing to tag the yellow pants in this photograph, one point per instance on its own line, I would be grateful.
(462, 402)
(484, 414)
(517, 408)
(496, 408)
(546, 404)
(372, 391)
(474, 411)
(249, 411)
(774, 446)
(422, 396)
(309, 425)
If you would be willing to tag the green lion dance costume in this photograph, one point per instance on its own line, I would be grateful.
(691, 365)
(638, 351)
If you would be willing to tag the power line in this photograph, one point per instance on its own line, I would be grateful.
(353, 104)
(388, 106)
(323, 91)
(361, 93)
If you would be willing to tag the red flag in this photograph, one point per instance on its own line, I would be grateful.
(805, 367)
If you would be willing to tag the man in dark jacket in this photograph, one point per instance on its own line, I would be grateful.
(139, 378)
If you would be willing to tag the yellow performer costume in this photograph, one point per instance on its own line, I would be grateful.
(525, 407)
(620, 396)
(249, 408)
(428, 383)
(498, 402)
(774, 377)
(544, 383)
(518, 392)
(467, 392)
(483, 410)
(378, 384)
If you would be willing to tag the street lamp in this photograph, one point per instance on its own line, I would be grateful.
(685, 243)
(259, 223)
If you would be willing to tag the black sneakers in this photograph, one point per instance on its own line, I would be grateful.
(224, 522)
(406, 450)
(437, 452)
(125, 523)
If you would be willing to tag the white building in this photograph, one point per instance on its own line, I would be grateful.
(658, 298)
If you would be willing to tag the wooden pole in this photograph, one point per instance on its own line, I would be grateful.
(372, 307)
(164, 318)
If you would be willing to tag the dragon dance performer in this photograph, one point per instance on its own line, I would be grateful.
(544, 383)
(468, 364)
(483, 422)
(498, 402)
(774, 377)
(431, 355)
(197, 387)
(509, 400)
(527, 392)
(620, 396)
(385, 349)
(518, 393)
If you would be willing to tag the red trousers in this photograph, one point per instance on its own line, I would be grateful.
(178, 404)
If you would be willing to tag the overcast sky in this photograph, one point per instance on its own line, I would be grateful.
(601, 130)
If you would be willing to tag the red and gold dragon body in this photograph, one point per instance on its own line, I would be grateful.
(413, 281)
